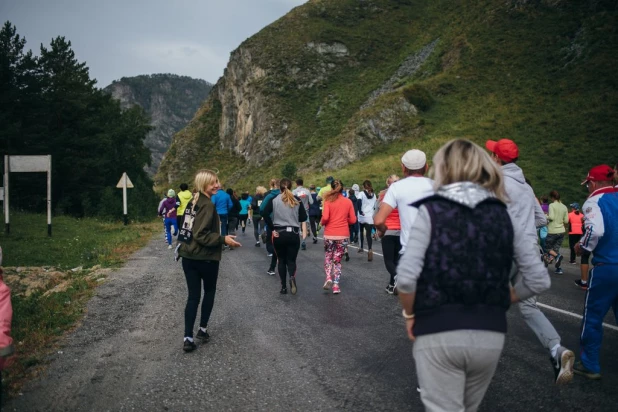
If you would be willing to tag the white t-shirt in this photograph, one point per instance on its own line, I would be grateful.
(403, 192)
(368, 207)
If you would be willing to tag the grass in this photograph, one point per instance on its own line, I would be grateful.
(40, 319)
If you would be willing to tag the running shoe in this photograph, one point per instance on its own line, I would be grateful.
(336, 289)
(202, 335)
(169, 246)
(271, 272)
(315, 240)
(390, 289)
(293, 285)
(269, 254)
(303, 246)
(360, 250)
(559, 271)
(581, 284)
(573, 263)
(284, 291)
(189, 346)
(580, 369)
(347, 257)
(563, 365)
(558, 260)
(369, 255)
(327, 284)
(257, 244)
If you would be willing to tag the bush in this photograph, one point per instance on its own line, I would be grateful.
(419, 97)
(289, 170)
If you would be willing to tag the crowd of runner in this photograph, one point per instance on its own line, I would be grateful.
(455, 277)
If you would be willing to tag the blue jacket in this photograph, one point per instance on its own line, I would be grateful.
(222, 201)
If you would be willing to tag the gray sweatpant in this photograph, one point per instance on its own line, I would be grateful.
(535, 319)
(455, 368)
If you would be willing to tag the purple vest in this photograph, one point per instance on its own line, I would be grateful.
(465, 279)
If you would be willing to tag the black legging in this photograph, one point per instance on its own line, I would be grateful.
(391, 246)
(313, 220)
(242, 220)
(286, 249)
(368, 227)
(232, 224)
(258, 227)
(196, 273)
(573, 239)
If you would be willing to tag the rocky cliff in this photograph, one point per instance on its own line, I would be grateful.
(170, 100)
(345, 86)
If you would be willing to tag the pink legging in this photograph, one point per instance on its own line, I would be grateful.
(333, 253)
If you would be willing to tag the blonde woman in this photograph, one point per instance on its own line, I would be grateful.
(337, 217)
(284, 215)
(200, 245)
(453, 278)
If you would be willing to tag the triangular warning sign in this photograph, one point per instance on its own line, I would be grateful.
(122, 181)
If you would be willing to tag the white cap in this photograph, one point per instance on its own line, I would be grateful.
(414, 159)
(355, 187)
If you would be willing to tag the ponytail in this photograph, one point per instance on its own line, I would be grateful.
(286, 194)
(337, 189)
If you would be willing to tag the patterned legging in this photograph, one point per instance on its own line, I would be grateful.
(333, 252)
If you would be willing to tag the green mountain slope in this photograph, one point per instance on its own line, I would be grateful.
(170, 101)
(344, 87)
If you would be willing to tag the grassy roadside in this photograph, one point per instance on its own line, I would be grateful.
(51, 279)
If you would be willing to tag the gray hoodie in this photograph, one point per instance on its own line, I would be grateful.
(526, 215)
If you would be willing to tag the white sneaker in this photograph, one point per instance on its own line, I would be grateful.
(169, 246)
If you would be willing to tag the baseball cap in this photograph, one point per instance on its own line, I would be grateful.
(171, 193)
(355, 187)
(574, 205)
(329, 179)
(601, 173)
(505, 149)
(414, 159)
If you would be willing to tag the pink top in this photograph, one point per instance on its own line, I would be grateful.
(337, 216)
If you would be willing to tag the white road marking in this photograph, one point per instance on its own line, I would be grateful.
(542, 305)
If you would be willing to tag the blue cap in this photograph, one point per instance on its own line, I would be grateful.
(574, 205)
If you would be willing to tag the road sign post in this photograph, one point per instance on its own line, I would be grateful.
(125, 183)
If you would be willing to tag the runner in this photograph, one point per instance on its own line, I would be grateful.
(315, 214)
(182, 200)
(601, 221)
(233, 213)
(457, 324)
(355, 228)
(245, 206)
(366, 209)
(412, 188)
(305, 197)
(168, 209)
(258, 221)
(337, 217)
(270, 195)
(558, 218)
(288, 217)
(391, 243)
(575, 229)
(322, 192)
(223, 203)
(526, 215)
(200, 246)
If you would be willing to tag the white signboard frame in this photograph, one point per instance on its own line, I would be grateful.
(27, 164)
(124, 183)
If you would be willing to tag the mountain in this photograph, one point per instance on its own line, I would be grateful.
(170, 100)
(344, 87)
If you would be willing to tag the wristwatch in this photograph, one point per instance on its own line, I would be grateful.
(406, 316)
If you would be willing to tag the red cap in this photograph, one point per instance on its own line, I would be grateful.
(601, 173)
(505, 149)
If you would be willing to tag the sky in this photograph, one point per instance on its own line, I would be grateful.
(123, 38)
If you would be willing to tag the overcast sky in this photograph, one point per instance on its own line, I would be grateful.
(120, 38)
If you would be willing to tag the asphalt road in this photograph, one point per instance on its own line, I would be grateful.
(269, 352)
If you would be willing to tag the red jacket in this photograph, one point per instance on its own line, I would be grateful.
(575, 223)
(337, 216)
